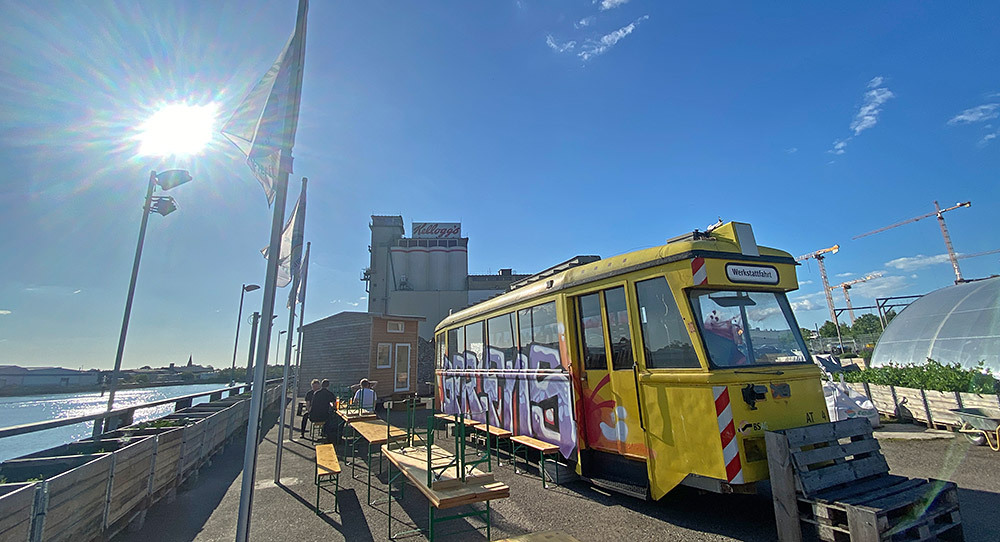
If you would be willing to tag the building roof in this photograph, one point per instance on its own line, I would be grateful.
(356, 316)
(957, 324)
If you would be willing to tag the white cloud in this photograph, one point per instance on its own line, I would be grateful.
(805, 305)
(584, 22)
(883, 287)
(847, 274)
(354, 304)
(76, 292)
(4, 312)
(805, 282)
(607, 41)
(919, 261)
(839, 146)
(976, 114)
(791, 150)
(871, 108)
(363, 298)
(875, 97)
(987, 138)
(557, 47)
(610, 4)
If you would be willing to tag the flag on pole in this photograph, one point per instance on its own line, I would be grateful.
(300, 295)
(290, 256)
(263, 125)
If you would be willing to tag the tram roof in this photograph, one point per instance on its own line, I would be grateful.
(721, 242)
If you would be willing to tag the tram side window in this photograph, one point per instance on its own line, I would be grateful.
(441, 349)
(474, 346)
(592, 327)
(665, 340)
(500, 335)
(456, 348)
(545, 326)
(618, 330)
(524, 330)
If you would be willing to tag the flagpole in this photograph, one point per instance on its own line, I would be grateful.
(274, 255)
(302, 320)
(260, 367)
(296, 273)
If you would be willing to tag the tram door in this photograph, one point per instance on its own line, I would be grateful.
(611, 408)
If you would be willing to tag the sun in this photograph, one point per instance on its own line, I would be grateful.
(178, 130)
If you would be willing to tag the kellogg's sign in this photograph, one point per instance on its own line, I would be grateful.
(436, 230)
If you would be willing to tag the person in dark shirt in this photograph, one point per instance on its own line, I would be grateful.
(309, 396)
(320, 407)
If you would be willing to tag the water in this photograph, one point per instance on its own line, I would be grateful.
(20, 410)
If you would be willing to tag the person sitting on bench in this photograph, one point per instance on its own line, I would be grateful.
(365, 397)
(320, 409)
(309, 397)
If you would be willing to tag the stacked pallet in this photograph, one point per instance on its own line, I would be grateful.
(833, 479)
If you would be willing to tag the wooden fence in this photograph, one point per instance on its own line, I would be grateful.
(92, 489)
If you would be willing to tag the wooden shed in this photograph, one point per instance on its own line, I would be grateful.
(349, 346)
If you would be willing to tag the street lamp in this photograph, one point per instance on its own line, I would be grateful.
(246, 288)
(277, 345)
(163, 205)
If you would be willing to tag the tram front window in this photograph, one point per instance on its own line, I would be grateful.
(747, 328)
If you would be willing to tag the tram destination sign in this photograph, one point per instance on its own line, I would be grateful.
(752, 274)
(436, 230)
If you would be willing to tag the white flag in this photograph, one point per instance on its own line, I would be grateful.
(263, 125)
(290, 256)
(301, 293)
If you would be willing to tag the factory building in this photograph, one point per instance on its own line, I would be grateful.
(425, 274)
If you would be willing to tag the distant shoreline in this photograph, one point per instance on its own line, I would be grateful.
(48, 390)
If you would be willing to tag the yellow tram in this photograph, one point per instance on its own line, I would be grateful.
(650, 369)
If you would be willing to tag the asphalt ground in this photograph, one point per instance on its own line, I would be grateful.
(208, 510)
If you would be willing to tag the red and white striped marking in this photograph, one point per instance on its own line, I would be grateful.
(727, 431)
(699, 271)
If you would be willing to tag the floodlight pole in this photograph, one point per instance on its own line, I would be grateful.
(98, 424)
(239, 317)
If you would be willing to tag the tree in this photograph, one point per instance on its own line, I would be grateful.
(828, 329)
(867, 324)
(889, 316)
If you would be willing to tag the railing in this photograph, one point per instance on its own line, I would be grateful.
(119, 417)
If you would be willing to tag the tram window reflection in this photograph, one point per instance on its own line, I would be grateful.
(665, 339)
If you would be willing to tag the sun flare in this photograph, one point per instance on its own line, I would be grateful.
(178, 129)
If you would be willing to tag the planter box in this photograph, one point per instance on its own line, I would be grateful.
(940, 404)
(83, 447)
(910, 404)
(881, 397)
(975, 400)
(133, 465)
(77, 492)
(169, 445)
(16, 503)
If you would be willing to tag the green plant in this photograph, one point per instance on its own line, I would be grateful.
(38, 478)
(3, 479)
(932, 375)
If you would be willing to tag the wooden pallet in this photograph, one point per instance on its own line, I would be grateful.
(834, 480)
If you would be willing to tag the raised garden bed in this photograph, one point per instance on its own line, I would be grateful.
(77, 488)
(16, 502)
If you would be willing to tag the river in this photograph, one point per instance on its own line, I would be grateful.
(19, 410)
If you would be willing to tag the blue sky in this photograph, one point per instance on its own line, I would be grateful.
(548, 129)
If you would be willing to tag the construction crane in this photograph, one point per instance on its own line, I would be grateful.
(819, 257)
(847, 286)
(939, 213)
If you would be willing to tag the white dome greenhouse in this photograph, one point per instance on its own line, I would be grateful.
(958, 324)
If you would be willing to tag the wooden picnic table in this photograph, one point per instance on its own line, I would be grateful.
(449, 490)
(375, 432)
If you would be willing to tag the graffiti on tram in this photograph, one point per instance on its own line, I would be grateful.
(528, 395)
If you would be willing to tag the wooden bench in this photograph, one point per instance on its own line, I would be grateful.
(498, 433)
(833, 479)
(376, 433)
(327, 473)
(523, 442)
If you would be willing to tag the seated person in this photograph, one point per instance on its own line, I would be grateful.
(365, 397)
(309, 396)
(321, 407)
